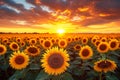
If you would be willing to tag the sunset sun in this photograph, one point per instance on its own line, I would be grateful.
(60, 31)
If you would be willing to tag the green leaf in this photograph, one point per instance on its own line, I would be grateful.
(67, 76)
(78, 72)
(34, 66)
(18, 74)
(42, 76)
(111, 77)
(31, 75)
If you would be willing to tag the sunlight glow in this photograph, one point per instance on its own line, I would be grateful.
(60, 31)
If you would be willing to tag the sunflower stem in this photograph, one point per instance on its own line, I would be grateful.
(100, 76)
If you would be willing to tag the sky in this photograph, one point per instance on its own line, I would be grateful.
(72, 16)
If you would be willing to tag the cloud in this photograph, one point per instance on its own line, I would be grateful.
(77, 12)
(14, 4)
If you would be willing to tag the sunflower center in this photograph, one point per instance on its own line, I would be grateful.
(76, 39)
(97, 43)
(85, 52)
(55, 61)
(1, 49)
(53, 40)
(22, 44)
(84, 40)
(5, 41)
(103, 40)
(33, 41)
(32, 50)
(113, 44)
(19, 60)
(8, 43)
(47, 44)
(78, 47)
(103, 47)
(62, 43)
(57, 40)
(94, 40)
(41, 41)
(73, 39)
(104, 64)
(14, 46)
(18, 40)
(68, 39)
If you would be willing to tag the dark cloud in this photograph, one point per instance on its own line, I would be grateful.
(100, 11)
(6, 13)
(13, 4)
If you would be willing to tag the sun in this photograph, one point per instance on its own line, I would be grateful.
(60, 31)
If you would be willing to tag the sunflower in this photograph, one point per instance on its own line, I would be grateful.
(103, 39)
(76, 38)
(32, 41)
(84, 40)
(93, 40)
(3, 49)
(4, 41)
(62, 43)
(19, 60)
(86, 52)
(57, 40)
(18, 40)
(53, 40)
(47, 44)
(103, 47)
(113, 44)
(14, 46)
(41, 41)
(77, 47)
(105, 66)
(97, 43)
(69, 40)
(55, 61)
(22, 43)
(32, 50)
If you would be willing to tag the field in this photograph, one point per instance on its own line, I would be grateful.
(52, 56)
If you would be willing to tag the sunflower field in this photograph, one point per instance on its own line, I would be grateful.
(70, 56)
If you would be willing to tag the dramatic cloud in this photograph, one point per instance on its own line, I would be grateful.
(79, 13)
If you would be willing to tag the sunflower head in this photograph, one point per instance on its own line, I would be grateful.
(62, 43)
(3, 49)
(32, 41)
(76, 38)
(41, 41)
(103, 47)
(103, 39)
(4, 40)
(77, 47)
(47, 44)
(86, 52)
(113, 44)
(14, 46)
(69, 40)
(55, 61)
(19, 60)
(22, 44)
(53, 40)
(93, 40)
(84, 40)
(97, 43)
(105, 66)
(32, 51)
(18, 40)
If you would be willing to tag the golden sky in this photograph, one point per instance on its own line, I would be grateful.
(73, 16)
